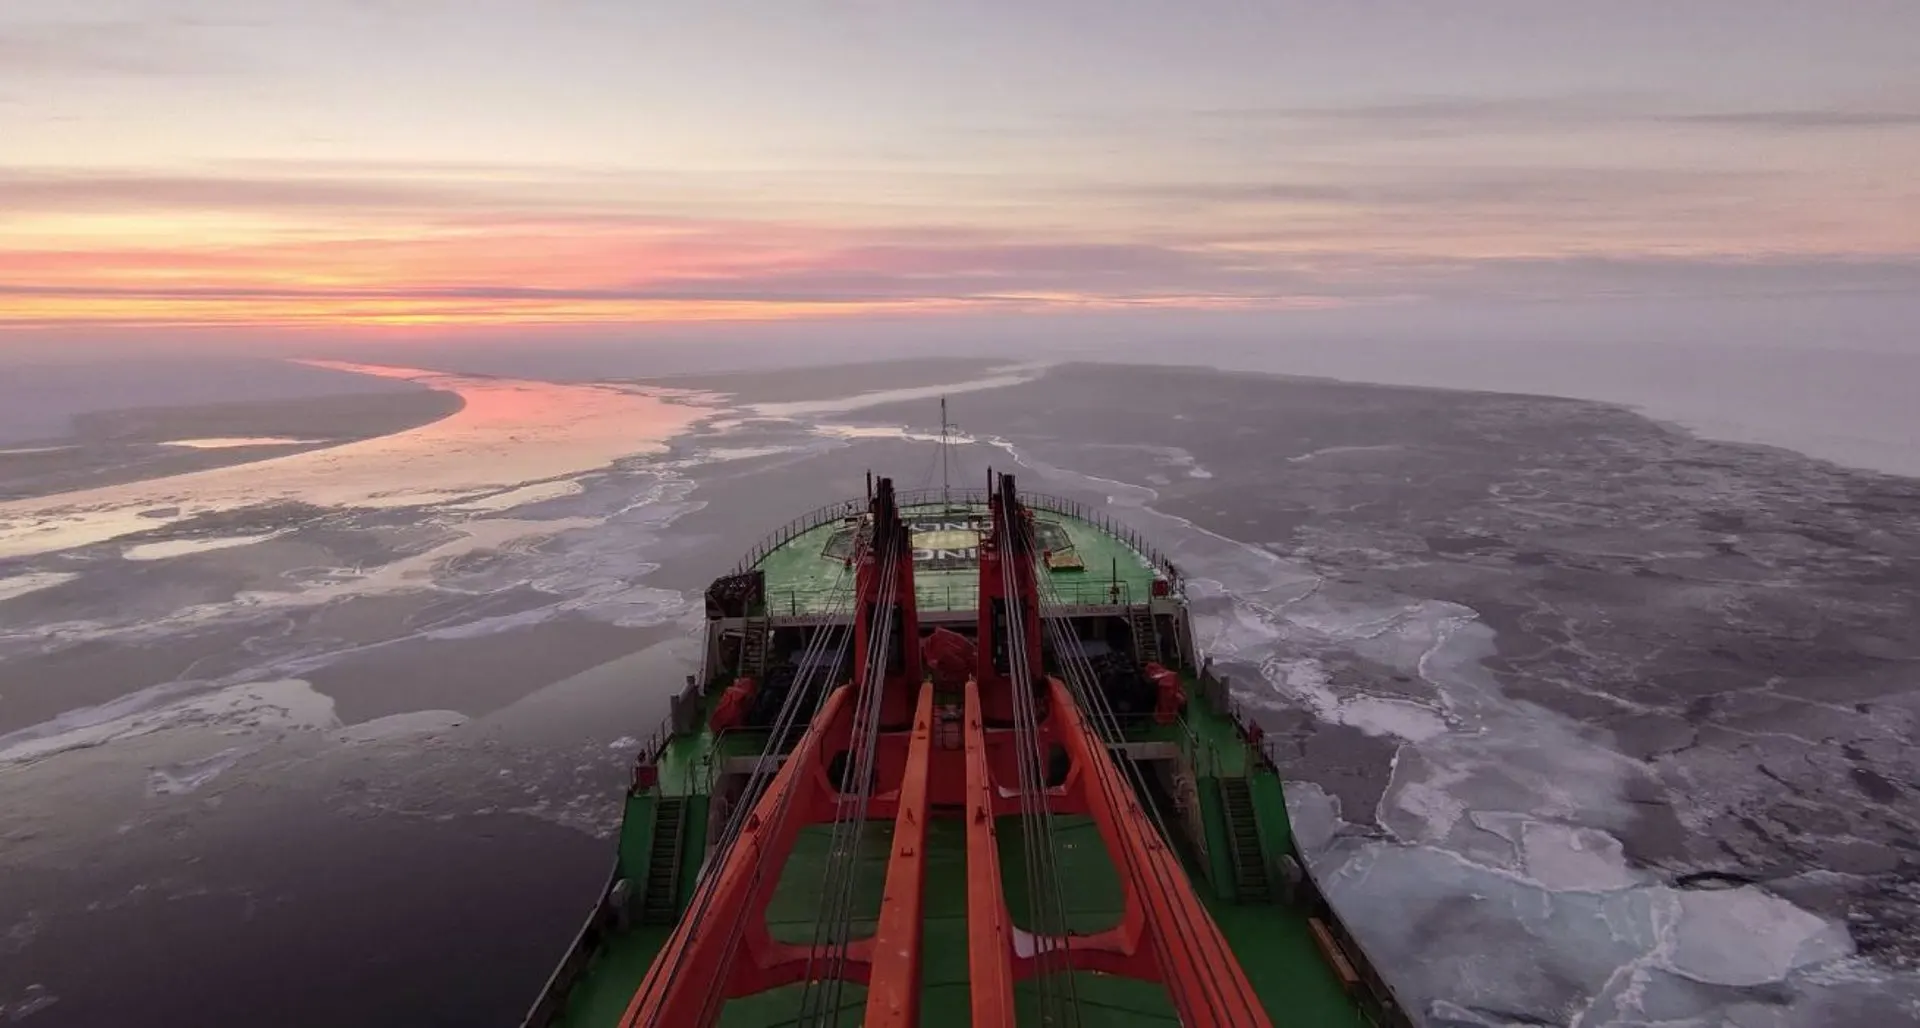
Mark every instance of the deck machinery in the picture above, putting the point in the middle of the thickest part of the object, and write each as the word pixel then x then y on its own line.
pixel 955 760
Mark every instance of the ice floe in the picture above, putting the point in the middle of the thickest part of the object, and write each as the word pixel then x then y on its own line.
pixel 1570 859
pixel 537 492
pixel 1328 451
pixel 235 442
pixel 590 563
pixel 32 1000
pixel 284 705
pixel 182 547
pixel 395 726
pixel 189 775
pixel 901 432
pixel 33 581
pixel 1744 936
pixel 722 454
pixel 1010 375
pixel 1500 890
pixel 418 571
pixel 1303 682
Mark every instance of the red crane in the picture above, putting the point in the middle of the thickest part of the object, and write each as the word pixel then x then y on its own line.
pixel 727 951
pixel 1165 933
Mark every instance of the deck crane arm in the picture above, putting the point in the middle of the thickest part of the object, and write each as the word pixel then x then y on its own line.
pixel 1165 933
pixel 723 949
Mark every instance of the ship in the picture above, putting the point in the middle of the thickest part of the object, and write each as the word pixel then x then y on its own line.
pixel 954 757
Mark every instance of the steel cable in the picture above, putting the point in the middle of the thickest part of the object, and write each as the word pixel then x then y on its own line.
pixel 821 995
pixel 706 882
pixel 1079 672
pixel 716 995
pixel 1038 830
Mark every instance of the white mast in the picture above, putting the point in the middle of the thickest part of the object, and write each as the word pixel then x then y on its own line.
pixel 946 500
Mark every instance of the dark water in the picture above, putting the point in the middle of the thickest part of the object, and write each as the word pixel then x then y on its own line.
pixel 42 394
pixel 1540 664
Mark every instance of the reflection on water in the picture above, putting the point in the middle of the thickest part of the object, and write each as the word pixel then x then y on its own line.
pixel 510 431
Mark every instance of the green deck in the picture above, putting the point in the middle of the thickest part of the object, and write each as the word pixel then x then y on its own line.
pixel 1273 942
pixel 802 576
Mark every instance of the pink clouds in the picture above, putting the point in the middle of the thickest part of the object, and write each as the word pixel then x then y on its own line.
pixel 502 246
pixel 365 252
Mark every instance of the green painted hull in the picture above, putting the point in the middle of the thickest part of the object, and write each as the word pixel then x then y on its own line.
pixel 1232 832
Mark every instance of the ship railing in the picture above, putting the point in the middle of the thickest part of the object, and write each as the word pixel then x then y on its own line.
pixel 934 596
pixel 1199 752
pixel 711 771
pixel 722 750
pixel 1202 757
pixel 798 526
pixel 1216 692
pixel 681 714
pixel 1266 749
pixel 1205 755
pixel 647 759
pixel 656 744
pixel 971 497
pixel 1132 724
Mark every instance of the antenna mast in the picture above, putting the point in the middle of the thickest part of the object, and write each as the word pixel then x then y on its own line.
pixel 946 499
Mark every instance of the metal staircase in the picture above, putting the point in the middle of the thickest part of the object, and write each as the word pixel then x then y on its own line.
pixel 660 904
pixel 1146 637
pixel 753 648
pixel 1251 882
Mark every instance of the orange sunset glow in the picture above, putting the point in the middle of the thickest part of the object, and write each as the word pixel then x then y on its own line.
pixel 360 166
pixel 923 513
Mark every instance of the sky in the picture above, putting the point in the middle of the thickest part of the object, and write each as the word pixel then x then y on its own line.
pixel 396 167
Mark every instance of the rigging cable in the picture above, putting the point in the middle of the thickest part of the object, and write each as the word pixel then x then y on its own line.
pixel 1038 830
pixel 821 996
pixel 716 994
pixel 864 770
pixel 1079 671
pixel 1064 645
pixel 706 882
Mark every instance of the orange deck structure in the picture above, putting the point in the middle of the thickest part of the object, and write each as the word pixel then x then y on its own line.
pixel 1165 934
pixel 893 987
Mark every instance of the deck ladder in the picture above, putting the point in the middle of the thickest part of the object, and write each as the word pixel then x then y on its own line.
pixel 661 902
pixel 753 648
pixel 1251 882
pixel 1146 637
